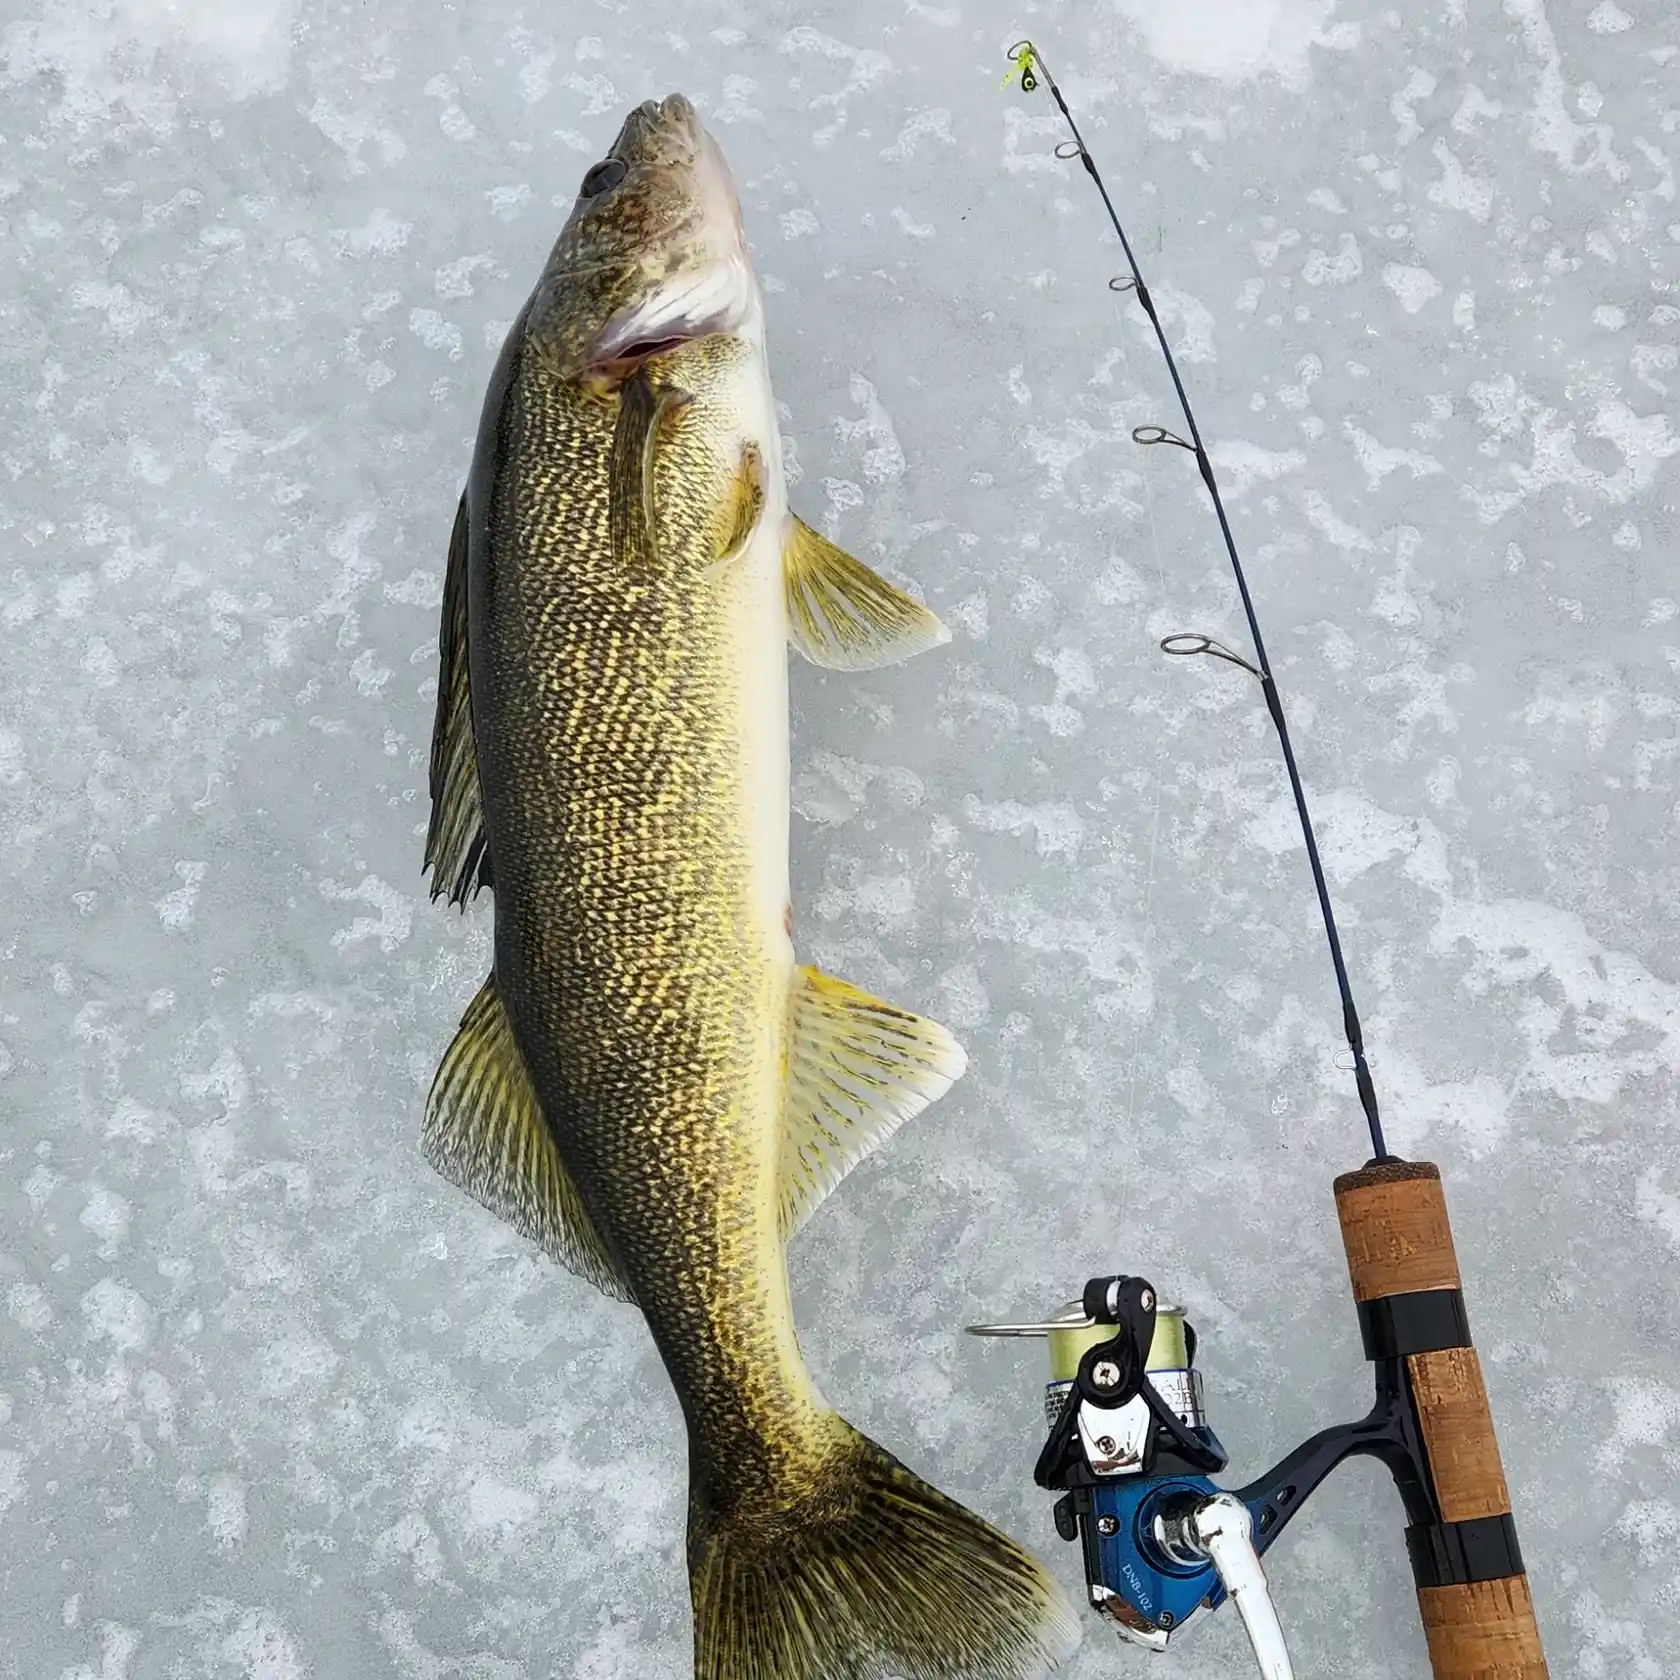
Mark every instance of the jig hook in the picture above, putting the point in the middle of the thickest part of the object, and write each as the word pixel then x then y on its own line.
pixel 1022 55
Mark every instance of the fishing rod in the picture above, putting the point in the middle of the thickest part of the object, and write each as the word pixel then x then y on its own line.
pixel 1130 1449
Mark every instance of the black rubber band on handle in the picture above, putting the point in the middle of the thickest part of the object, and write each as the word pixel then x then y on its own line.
pixel 1449 1554
pixel 1424 1321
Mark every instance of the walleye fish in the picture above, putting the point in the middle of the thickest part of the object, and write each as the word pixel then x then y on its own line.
pixel 649 1084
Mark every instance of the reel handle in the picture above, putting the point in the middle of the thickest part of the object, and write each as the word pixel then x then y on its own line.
pixel 1472 1590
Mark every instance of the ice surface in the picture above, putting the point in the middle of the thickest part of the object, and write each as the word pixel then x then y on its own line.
pixel 276 1401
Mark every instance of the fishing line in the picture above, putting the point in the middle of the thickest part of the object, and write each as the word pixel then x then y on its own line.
pixel 1029 67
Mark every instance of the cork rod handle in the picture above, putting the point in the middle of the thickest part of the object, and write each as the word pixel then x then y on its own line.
pixel 1399 1244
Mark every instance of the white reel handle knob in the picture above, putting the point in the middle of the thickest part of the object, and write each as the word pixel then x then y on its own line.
pixel 1222 1528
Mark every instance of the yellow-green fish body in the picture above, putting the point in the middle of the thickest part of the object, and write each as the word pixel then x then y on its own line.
pixel 649 1084
pixel 633 761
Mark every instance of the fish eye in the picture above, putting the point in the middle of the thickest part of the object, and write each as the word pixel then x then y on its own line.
pixel 603 177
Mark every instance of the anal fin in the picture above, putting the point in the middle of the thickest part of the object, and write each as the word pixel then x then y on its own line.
pixel 857 1070
pixel 456 853
pixel 845 616
pixel 485 1132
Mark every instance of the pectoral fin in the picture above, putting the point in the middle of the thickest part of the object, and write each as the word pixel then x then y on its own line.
pixel 857 1070
pixel 743 508
pixel 485 1132
pixel 642 409
pixel 842 614
pixel 456 853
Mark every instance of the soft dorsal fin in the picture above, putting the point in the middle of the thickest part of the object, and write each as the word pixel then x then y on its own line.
pixel 456 853
pixel 845 616
pixel 857 1070
pixel 486 1134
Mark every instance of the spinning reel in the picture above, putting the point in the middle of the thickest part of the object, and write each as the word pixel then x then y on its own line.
pixel 1132 1454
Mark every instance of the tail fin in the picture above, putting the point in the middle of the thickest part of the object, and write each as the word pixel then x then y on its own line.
pixel 874 1573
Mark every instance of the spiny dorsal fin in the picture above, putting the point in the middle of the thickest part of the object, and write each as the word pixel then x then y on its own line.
pixel 455 848
pixel 486 1134
pixel 845 616
pixel 857 1070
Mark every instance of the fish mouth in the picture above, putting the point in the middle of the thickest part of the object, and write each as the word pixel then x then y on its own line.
pixel 693 277
pixel 668 128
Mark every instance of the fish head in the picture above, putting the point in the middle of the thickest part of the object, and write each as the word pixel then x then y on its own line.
pixel 652 255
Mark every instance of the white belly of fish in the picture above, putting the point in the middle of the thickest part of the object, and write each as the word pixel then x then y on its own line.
pixel 761 640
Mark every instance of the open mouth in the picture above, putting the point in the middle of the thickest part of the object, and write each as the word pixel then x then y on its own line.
pixel 619 362
pixel 641 349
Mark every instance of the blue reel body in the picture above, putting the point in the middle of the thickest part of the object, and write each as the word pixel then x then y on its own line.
pixel 1131 1565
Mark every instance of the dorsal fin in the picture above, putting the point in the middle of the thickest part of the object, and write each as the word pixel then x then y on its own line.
pixel 456 853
